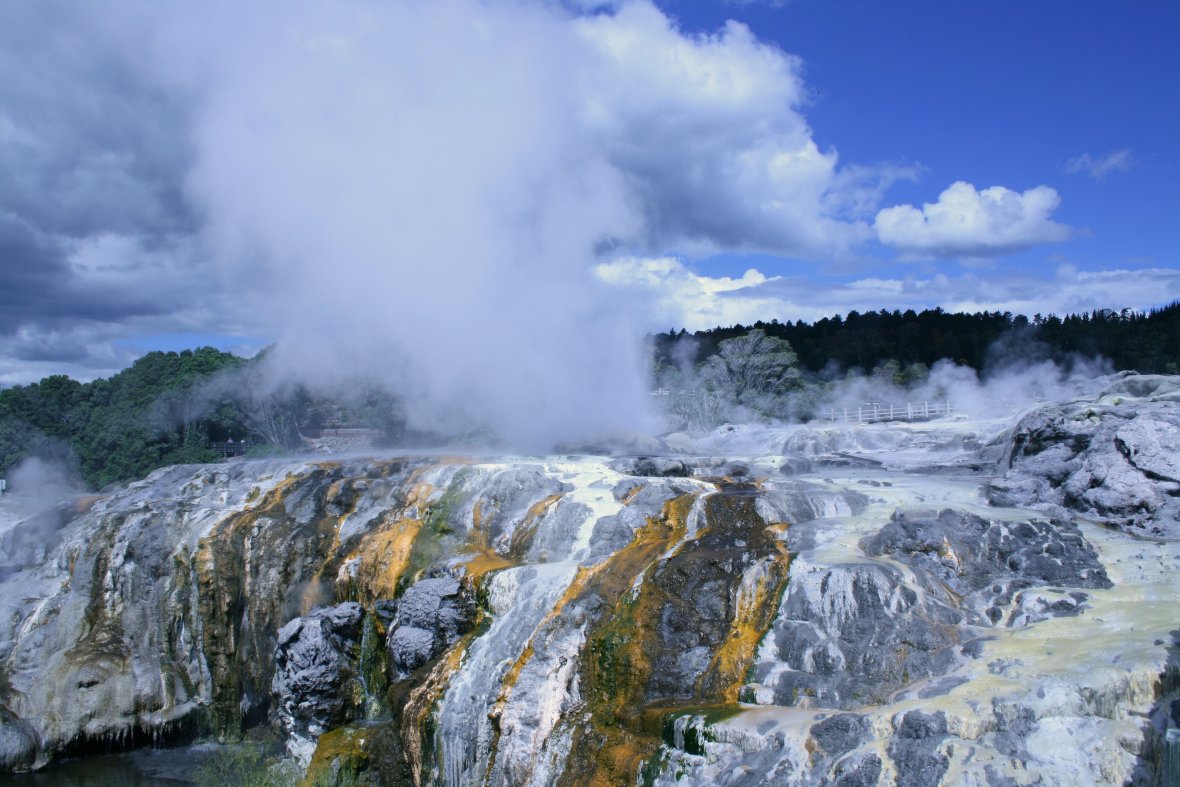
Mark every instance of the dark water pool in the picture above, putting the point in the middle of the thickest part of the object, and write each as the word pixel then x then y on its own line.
pixel 139 768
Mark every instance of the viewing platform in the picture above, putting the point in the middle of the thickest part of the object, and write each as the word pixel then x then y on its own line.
pixel 876 412
pixel 230 448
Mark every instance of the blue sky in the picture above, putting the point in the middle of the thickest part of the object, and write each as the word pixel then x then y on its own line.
pixel 406 176
pixel 997 93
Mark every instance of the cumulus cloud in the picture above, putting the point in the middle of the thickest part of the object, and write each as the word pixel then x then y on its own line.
pixel 965 222
pixel 1099 167
pixel 97 237
pixel 709 133
pixel 677 296
pixel 670 294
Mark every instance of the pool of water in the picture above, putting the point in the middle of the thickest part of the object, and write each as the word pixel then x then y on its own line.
pixel 139 768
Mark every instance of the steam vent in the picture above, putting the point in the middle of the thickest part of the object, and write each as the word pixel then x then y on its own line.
pixel 946 602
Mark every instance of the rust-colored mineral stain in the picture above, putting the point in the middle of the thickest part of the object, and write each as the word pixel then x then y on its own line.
pixel 83 504
pixel 753 616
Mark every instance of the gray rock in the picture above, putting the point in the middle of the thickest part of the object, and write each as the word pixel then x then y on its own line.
pixel 855 634
pixel 1111 459
pixel 857 772
pixel 841 733
pixel 18 743
pixel 970 553
pixel 659 467
pixel 431 616
pixel 627 487
pixel 915 749
pixel 610 534
pixel 411 648
pixel 315 658
pixel 1151 447
pixel 794 464
pixel 558 531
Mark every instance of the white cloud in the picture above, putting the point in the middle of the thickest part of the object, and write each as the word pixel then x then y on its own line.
pixel 670 294
pixel 709 132
pixel 969 223
pixel 675 296
pixel 1098 167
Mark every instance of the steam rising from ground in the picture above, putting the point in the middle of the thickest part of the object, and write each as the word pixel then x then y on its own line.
pixel 408 189
pixel 999 393
pixel 756 378
pixel 420 191
pixel 38 484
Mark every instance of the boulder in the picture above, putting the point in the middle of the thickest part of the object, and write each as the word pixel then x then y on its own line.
pixel 431 616
pixel 316 665
pixel 1113 460
pixel 18 743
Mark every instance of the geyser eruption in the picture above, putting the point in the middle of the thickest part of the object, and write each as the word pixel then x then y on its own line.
pixel 412 192
pixel 419 193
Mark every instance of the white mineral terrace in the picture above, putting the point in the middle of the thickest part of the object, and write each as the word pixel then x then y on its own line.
pixel 1062 697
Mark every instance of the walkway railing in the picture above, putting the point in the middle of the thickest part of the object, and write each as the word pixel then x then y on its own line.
pixel 230 448
pixel 875 412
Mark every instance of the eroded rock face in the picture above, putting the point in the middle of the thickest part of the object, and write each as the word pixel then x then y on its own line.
pixel 851 635
pixel 431 616
pixel 989 564
pixel 318 679
pixel 1112 459
pixel 563 620
pixel 915 749
pixel 854 634
pixel 969 552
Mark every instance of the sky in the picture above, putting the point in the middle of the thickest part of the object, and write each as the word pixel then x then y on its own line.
pixel 429 188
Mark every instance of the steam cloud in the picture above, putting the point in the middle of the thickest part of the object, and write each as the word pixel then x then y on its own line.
pixel 1009 387
pixel 414 192
pixel 420 191
pixel 37 484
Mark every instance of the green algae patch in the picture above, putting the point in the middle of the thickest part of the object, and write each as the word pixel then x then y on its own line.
pixel 341 758
pixel 688 727
pixel 437 516
pixel 617 658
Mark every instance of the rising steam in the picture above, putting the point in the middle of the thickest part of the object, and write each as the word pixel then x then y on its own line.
pixel 418 192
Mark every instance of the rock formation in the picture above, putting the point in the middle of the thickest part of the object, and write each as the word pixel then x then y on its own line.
pixel 835 614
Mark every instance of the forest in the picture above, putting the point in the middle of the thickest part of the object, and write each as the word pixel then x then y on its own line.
pixel 1147 342
pixel 170 408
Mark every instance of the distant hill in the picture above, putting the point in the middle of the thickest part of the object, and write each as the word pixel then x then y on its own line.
pixel 119 428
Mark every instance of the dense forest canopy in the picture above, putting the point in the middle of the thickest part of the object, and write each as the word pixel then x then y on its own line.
pixel 170 408
pixel 1145 342
pixel 167 408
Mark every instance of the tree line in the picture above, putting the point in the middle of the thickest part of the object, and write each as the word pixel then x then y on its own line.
pixel 1147 342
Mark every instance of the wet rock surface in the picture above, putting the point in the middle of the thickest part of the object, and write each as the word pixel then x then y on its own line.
pixel 1113 458
pixel 431 616
pixel 18 743
pixel 316 660
pixel 990 563
pixel 915 749
pixel 852 635
pixel 589 620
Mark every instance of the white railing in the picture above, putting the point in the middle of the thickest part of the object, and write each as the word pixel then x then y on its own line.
pixel 875 412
